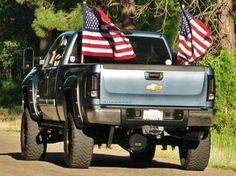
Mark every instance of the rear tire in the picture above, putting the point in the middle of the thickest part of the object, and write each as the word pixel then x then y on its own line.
pixel 33 146
pixel 143 156
pixel 195 155
pixel 78 145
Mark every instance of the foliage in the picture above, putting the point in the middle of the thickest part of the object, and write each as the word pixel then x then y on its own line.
pixel 10 91
pixel 15 20
pixel 10 72
pixel 225 75
pixel 10 58
pixel 55 15
pixel 48 19
pixel 160 16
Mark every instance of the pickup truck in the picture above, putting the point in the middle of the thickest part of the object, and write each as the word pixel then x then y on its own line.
pixel 137 104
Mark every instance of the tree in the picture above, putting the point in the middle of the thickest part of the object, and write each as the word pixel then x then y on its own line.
pixel 15 20
pixel 10 54
pixel 53 15
pixel 128 15
pixel 160 16
pixel 226 24
pixel 218 14
pixel 153 15
pixel 15 32
pixel 49 19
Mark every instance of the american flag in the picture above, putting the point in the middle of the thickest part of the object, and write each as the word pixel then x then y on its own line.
pixel 194 39
pixel 100 37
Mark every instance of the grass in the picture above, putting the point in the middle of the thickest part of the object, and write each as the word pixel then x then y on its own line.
pixel 10 119
pixel 13 126
pixel 223 152
pixel 223 148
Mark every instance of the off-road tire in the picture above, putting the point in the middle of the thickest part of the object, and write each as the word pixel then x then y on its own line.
pixel 33 146
pixel 78 145
pixel 143 156
pixel 195 155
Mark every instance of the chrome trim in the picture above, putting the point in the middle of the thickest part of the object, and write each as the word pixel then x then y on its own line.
pixel 34 98
pixel 78 103
pixel 104 116
pixel 201 118
pixel 113 116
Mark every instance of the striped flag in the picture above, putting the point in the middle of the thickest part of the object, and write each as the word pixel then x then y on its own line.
pixel 100 37
pixel 194 39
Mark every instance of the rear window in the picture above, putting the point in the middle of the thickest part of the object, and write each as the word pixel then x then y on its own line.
pixel 147 50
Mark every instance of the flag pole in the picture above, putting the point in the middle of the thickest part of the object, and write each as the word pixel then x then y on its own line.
pixel 82 56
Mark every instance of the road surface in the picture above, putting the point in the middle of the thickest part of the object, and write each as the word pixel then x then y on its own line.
pixel 105 163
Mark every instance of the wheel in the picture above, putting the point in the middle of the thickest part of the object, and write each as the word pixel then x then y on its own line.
pixel 33 146
pixel 195 155
pixel 78 145
pixel 143 156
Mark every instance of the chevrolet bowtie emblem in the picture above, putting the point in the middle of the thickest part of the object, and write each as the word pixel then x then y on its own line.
pixel 154 87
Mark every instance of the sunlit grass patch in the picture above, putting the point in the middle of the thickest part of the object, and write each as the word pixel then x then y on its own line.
pixel 13 126
pixel 223 151
pixel 9 114
pixel 10 119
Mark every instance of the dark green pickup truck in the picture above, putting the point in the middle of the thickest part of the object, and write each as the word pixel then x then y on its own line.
pixel 137 104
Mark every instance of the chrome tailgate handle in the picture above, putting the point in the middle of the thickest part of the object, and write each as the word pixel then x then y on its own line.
pixel 153 75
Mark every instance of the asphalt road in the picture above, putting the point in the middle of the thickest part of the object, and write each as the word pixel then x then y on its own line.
pixel 105 163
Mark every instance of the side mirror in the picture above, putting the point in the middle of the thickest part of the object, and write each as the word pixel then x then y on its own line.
pixel 28 58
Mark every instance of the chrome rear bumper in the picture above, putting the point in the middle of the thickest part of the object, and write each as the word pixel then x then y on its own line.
pixel 201 118
pixel 117 116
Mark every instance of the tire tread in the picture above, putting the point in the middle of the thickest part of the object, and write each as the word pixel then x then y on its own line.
pixel 196 158
pixel 32 150
pixel 81 147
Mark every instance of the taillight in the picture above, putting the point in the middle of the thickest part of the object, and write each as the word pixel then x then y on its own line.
pixel 211 88
pixel 94 86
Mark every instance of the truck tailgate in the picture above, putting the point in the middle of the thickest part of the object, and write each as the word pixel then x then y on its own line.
pixel 153 85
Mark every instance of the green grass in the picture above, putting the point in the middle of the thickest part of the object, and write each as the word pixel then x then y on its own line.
pixel 10 119
pixel 223 147
pixel 223 152
pixel 10 114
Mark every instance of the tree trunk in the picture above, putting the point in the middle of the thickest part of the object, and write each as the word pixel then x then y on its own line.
pixel 128 13
pixel 226 24
pixel 45 43
pixel 8 74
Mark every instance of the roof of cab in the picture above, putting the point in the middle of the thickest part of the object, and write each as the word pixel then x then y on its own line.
pixel 127 32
